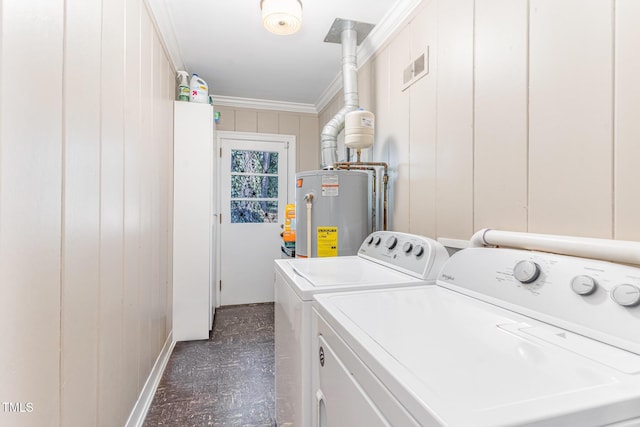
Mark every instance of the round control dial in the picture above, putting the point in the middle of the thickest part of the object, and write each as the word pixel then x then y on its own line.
pixel 418 250
pixel 407 247
pixel 626 295
pixel 583 285
pixel 377 240
pixel 369 240
pixel 391 242
pixel 526 271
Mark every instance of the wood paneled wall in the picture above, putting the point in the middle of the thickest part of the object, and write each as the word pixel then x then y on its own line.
pixel 85 208
pixel 303 125
pixel 31 129
pixel 526 120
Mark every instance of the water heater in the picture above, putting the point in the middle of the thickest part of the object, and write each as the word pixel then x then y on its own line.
pixel 338 212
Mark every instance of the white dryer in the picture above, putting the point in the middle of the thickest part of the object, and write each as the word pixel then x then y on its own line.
pixel 385 259
pixel 507 337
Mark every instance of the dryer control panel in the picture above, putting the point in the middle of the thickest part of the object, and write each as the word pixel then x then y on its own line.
pixel 594 298
pixel 416 255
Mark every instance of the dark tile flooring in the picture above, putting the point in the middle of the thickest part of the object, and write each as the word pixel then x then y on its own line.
pixel 227 380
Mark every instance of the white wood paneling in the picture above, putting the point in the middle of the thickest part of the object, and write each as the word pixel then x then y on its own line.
pixel 627 125
pixel 268 122
pixel 30 207
pixel 155 197
pixel 166 91
pixel 110 351
pixel 132 159
pixel 227 118
pixel 570 154
pixel 501 114
pixel 289 124
pixel 455 119
pixel 381 105
pixel 81 239
pixel 422 128
pixel 398 139
pixel 365 82
pixel 308 149
pixel 147 355
pixel 158 288
pixel 246 121
pixel 80 247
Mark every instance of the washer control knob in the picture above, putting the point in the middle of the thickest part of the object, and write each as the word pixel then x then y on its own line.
pixel 377 240
pixel 583 285
pixel 370 240
pixel 418 250
pixel 391 242
pixel 626 295
pixel 526 271
pixel 407 247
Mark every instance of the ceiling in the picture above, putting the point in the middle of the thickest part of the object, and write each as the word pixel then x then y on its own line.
pixel 225 43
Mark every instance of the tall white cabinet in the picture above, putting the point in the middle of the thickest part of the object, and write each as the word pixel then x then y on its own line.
pixel 193 228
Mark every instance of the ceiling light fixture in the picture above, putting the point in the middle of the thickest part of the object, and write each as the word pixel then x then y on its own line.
pixel 281 17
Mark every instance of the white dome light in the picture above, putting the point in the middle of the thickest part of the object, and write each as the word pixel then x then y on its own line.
pixel 281 17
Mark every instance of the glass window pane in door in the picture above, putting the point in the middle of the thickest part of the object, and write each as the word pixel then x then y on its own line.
pixel 248 161
pixel 254 186
pixel 249 211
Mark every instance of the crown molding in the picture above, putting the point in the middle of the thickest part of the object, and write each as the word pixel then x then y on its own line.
pixel 381 33
pixel 388 26
pixel 166 31
pixel 264 104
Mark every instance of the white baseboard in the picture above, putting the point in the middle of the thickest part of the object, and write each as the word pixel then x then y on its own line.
pixel 140 409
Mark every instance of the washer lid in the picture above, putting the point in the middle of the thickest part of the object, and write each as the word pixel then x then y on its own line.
pixel 314 275
pixel 450 357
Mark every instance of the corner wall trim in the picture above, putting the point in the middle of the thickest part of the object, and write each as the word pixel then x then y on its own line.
pixel 165 29
pixel 140 409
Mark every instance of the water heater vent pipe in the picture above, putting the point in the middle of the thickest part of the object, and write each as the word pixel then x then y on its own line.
pixel 350 37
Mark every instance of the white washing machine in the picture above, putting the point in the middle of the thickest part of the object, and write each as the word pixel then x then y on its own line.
pixel 385 259
pixel 507 337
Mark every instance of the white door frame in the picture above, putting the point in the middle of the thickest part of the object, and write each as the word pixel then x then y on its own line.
pixel 291 185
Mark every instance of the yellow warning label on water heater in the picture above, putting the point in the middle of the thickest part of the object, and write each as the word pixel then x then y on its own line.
pixel 327 241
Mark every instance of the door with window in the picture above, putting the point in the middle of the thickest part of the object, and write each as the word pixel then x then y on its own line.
pixel 254 182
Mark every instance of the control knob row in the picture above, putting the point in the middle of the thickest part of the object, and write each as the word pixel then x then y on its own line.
pixel 417 250
pixel 625 294
pixel 392 242
pixel 373 239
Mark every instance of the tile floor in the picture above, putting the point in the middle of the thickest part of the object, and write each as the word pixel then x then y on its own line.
pixel 227 380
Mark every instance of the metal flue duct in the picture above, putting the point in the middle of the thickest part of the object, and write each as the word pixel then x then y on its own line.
pixel 350 34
